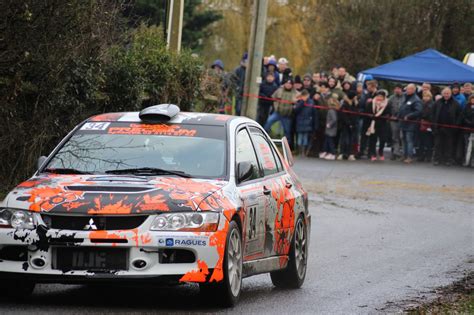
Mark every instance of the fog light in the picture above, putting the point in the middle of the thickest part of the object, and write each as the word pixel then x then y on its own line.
pixel 139 264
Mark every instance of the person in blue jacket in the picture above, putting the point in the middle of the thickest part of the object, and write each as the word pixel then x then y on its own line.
pixel 306 122
pixel 457 95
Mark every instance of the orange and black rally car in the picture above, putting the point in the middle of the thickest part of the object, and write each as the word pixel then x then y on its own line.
pixel 158 195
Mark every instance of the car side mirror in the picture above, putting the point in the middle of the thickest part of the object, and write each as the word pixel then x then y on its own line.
pixel 40 161
pixel 244 171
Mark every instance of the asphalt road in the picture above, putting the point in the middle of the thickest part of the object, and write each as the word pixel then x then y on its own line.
pixel 382 233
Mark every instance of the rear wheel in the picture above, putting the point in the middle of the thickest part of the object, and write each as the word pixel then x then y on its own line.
pixel 294 274
pixel 227 292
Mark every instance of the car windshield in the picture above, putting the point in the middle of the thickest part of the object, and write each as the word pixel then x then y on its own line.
pixel 144 149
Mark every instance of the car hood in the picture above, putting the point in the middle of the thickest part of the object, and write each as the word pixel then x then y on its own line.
pixel 115 195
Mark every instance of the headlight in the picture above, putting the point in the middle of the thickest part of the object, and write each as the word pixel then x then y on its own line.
pixel 184 221
pixel 17 219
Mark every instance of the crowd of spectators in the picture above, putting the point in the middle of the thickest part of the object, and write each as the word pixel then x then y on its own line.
pixel 333 116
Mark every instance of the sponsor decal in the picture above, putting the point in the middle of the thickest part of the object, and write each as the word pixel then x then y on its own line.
pixel 160 129
pixel 193 240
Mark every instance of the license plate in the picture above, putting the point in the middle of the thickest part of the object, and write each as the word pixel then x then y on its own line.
pixel 91 259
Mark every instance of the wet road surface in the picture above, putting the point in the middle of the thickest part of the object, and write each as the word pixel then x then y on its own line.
pixel 382 233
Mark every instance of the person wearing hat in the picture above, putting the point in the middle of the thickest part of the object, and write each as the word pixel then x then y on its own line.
pixel 306 122
pixel 457 95
pixel 394 103
pixel 298 83
pixel 238 79
pixel 308 84
pixel 273 69
pixel 267 88
pixel 285 71
pixel 214 88
pixel 283 109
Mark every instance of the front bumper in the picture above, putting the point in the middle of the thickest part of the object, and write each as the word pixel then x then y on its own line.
pixel 140 244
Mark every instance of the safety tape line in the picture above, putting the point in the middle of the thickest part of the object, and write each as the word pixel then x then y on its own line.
pixel 363 114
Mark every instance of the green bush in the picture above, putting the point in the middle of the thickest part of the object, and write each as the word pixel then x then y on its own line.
pixel 63 61
pixel 145 72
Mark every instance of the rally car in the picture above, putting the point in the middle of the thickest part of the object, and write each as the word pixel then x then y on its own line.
pixel 158 195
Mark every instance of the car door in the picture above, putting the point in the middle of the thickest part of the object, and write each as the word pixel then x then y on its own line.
pixel 279 210
pixel 252 196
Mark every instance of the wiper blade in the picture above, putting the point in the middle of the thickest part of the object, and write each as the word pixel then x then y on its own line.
pixel 65 171
pixel 148 171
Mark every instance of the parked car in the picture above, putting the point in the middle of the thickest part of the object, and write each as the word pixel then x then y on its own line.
pixel 158 195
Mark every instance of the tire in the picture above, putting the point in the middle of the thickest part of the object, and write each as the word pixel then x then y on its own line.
pixel 17 290
pixel 227 292
pixel 292 277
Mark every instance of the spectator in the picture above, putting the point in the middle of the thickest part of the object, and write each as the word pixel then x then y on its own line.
pixel 343 76
pixel 425 87
pixel 308 85
pixel 272 68
pixel 346 87
pixel 468 122
pixel 214 87
pixel 359 89
pixel 324 77
pixel 446 111
pixel 316 78
pixel 306 122
pixel 283 109
pixel 365 101
pixel 320 99
pixel 426 134
pixel 267 88
pixel 298 84
pixel 335 72
pixel 375 128
pixel 334 89
pixel 347 121
pixel 459 97
pixel 394 103
pixel 329 149
pixel 467 90
pixel 238 79
pixel 410 109
pixel 285 72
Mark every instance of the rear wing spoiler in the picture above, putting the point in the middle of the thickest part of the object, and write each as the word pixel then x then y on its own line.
pixel 285 151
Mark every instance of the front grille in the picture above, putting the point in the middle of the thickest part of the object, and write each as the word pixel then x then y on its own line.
pixel 94 222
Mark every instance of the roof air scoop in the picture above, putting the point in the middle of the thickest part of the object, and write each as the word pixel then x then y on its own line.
pixel 159 113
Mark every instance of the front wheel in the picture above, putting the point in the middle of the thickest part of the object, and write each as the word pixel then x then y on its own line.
pixel 293 275
pixel 227 292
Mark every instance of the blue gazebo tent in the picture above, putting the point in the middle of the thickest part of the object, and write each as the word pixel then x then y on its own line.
pixel 427 66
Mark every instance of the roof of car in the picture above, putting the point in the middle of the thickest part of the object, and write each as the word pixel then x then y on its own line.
pixel 182 117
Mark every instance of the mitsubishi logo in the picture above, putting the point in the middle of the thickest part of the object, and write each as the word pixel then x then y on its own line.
pixel 91 225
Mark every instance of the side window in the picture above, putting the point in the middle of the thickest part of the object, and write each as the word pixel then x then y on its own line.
pixel 277 159
pixel 264 152
pixel 244 152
